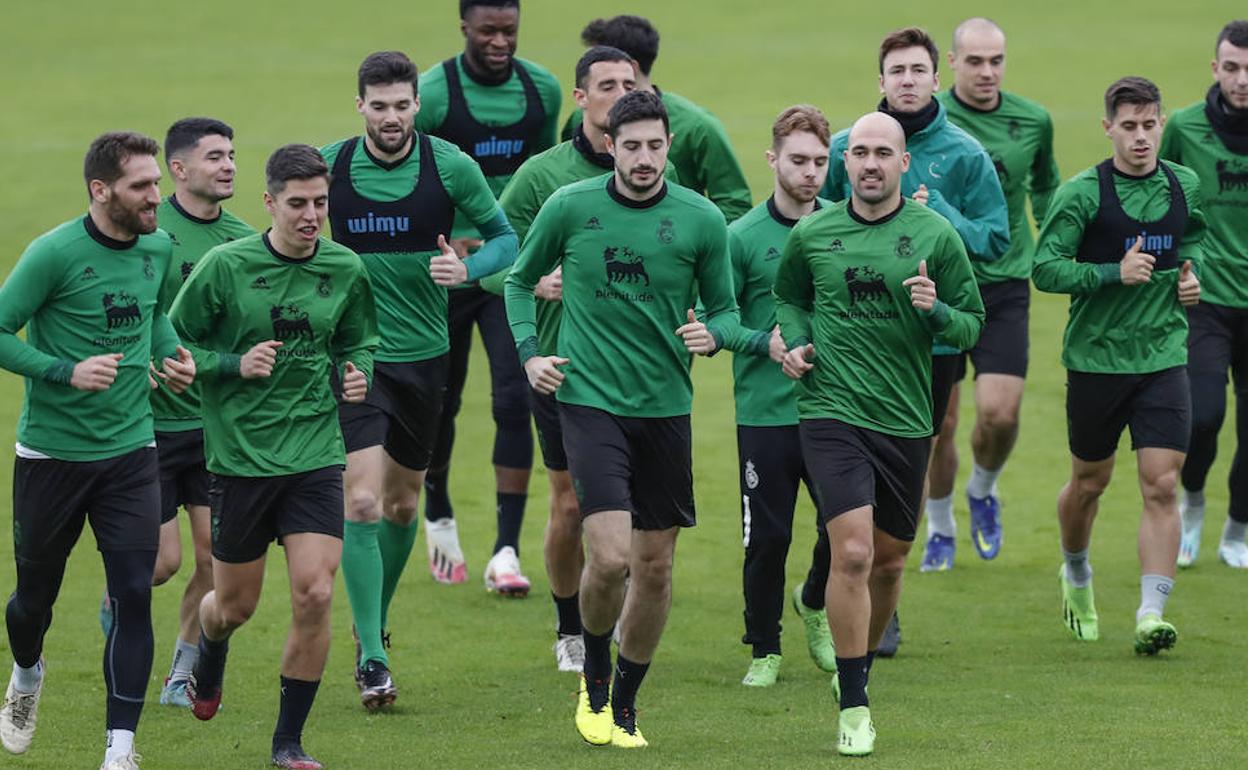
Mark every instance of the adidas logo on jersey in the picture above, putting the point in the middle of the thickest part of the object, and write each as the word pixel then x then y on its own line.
pixel 89 274
pixel 593 224
pixel 260 283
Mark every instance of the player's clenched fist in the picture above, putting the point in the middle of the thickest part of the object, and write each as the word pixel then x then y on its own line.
pixel 544 374
pixel 698 339
pixel 1136 266
pixel 448 268
pixel 178 373
pixel 922 288
pixel 258 362
pixel 798 361
pixel 354 384
pixel 1189 285
pixel 96 372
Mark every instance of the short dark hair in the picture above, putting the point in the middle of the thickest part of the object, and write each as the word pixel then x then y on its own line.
pixel 633 35
pixel 598 53
pixel 187 132
pixel 1131 90
pixel 110 151
pixel 909 37
pixel 1236 32
pixel 293 161
pixel 800 117
pixel 385 67
pixel 633 107
pixel 467 5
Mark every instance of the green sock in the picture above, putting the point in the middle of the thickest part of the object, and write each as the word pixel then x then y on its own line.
pixel 362 572
pixel 396 543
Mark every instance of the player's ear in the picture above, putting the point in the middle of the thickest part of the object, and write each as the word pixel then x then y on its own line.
pixel 610 140
pixel 580 97
pixel 905 162
pixel 177 168
pixel 270 205
pixel 771 158
pixel 1105 124
pixel 359 104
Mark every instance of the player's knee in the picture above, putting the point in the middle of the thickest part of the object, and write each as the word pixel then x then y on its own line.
pixel 610 564
pixel 853 557
pixel 362 506
pixel 888 568
pixel 999 416
pixel 167 565
pixel 311 601
pixel 1160 489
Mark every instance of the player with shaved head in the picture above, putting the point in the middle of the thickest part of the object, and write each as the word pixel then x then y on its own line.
pixel 859 317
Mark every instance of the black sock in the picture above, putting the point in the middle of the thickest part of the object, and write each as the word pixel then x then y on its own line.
pixel 628 676
pixel 569 610
pixel 510 517
pixel 852 673
pixel 597 668
pixel 438 495
pixel 209 667
pixel 296 702
pixel 870 660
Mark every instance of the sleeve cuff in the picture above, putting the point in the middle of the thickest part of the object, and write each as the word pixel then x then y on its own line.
pixel 1110 273
pixel 229 365
pixel 61 372
pixel 527 349
pixel 938 316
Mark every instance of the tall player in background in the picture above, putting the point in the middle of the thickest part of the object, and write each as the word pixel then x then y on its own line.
pixel 500 110
pixel 1211 138
pixel 1018 135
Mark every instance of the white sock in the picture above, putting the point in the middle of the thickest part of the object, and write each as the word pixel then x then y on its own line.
pixel 1234 531
pixel 1193 508
pixel 1154 590
pixel 940 516
pixel 120 744
pixel 184 657
pixel 27 679
pixel 983 482
pixel 1078 569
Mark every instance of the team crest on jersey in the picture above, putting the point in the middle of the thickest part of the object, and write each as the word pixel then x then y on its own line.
pixel 149 272
pixel 593 224
pixel 624 265
pixel 1232 176
pixel 290 322
pixel 751 475
pixel 904 247
pixel 865 284
pixel 667 231
pixel 1003 173
pixel 185 268
pixel 836 246
pixel 1014 129
pixel 121 310
pixel 323 286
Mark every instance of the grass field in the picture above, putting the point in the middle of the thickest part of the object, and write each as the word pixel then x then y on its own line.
pixel 985 678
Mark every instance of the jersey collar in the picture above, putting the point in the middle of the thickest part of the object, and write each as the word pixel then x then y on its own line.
pixel 173 201
pixel 650 202
pixel 99 237
pixel 890 216
pixel 781 218
pixel 289 260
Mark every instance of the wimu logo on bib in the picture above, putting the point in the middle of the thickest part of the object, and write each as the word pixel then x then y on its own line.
pixel 1153 242
pixel 384 225
pixel 498 148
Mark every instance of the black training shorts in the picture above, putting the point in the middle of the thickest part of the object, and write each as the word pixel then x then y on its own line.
pixel 400 412
pixel 639 464
pixel 249 513
pixel 549 431
pixel 1003 344
pixel 52 499
pixel 851 467
pixel 1156 406
pixel 183 475
pixel 944 377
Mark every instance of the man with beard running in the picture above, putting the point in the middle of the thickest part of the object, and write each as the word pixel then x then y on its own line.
pixel 393 197
pixel 91 295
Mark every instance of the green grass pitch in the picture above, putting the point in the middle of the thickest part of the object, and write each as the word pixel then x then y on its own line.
pixel 985 678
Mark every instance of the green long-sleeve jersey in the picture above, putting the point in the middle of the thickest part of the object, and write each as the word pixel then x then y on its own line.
pixel 320 308
pixel 1190 140
pixel 839 286
pixel 764 394
pixel 411 308
pixel 192 237
pixel 492 105
pixel 631 272
pixel 701 153
pixel 1018 137
pixel 1113 328
pixel 80 294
